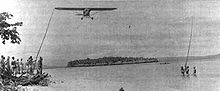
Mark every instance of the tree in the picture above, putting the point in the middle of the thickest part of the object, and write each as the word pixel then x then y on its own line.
pixel 9 31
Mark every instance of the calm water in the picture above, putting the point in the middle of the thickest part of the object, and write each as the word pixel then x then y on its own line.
pixel 138 77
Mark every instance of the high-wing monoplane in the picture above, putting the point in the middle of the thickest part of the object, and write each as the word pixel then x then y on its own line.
pixel 86 11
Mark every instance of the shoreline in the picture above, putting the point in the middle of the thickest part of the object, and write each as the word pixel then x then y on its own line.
pixel 107 61
pixel 128 63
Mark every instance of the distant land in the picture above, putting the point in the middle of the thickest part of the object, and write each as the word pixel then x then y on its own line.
pixel 165 59
pixel 193 58
pixel 107 61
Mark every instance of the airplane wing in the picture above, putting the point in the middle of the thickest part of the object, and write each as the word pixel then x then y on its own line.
pixel 63 8
pixel 102 9
pixel 93 9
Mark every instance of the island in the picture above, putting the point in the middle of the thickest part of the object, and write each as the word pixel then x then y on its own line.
pixel 106 61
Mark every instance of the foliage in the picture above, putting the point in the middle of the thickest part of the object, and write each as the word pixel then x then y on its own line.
pixel 110 61
pixel 9 31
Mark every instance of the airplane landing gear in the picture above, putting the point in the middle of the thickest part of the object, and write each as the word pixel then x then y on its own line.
pixel 87 17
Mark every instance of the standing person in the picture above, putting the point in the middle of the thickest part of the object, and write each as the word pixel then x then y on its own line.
pixel 40 65
pixel 18 66
pixel 187 70
pixel 13 65
pixel 22 66
pixel 182 71
pixel 30 65
pixel 7 64
pixel 2 62
pixel 194 71
pixel 26 67
pixel 34 66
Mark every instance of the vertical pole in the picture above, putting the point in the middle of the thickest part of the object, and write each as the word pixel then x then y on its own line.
pixel 187 57
pixel 44 35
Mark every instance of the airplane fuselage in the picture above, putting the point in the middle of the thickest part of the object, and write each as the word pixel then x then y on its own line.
pixel 86 13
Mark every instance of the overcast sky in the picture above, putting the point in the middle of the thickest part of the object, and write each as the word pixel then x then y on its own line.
pixel 158 28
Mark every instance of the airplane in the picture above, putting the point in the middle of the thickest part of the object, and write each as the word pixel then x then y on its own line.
pixel 86 11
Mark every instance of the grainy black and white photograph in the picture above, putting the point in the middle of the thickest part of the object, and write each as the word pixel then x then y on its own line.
pixel 110 45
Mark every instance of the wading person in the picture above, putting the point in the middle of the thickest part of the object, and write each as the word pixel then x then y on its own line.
pixel 187 70
pixel 194 71
pixel 182 71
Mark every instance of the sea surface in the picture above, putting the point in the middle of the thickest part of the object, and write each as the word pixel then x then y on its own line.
pixel 137 77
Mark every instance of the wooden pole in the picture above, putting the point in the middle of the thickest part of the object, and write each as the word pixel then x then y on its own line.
pixel 190 40
pixel 44 36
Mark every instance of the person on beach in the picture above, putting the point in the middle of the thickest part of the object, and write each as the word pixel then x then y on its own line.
pixel 18 67
pixel 30 65
pixel 34 66
pixel 39 68
pixel 13 65
pixel 22 66
pixel 182 71
pixel 7 64
pixel 2 62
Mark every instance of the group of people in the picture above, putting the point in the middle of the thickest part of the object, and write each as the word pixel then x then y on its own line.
pixel 18 66
pixel 185 71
